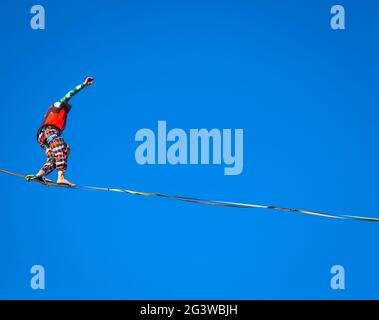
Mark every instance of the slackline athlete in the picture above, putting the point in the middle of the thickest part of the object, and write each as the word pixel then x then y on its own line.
pixel 49 137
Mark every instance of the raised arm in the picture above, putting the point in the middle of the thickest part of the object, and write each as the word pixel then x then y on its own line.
pixel 73 92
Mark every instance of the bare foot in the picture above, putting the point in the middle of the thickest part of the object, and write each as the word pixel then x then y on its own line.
pixel 64 181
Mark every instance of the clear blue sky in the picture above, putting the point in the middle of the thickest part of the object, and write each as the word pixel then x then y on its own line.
pixel 305 95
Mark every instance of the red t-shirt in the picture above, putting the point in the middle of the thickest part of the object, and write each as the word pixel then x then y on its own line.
pixel 56 116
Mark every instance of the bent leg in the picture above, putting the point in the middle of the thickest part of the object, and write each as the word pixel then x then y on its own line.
pixel 61 152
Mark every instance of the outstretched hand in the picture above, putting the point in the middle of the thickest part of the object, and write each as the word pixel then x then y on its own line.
pixel 89 81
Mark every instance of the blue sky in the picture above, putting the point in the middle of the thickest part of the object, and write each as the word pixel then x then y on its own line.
pixel 305 96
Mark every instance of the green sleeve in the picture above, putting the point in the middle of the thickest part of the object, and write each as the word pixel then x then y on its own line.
pixel 69 95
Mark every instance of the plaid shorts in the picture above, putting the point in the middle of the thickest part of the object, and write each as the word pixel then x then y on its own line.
pixel 56 150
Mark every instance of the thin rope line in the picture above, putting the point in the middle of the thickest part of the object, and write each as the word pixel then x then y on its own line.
pixel 204 202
